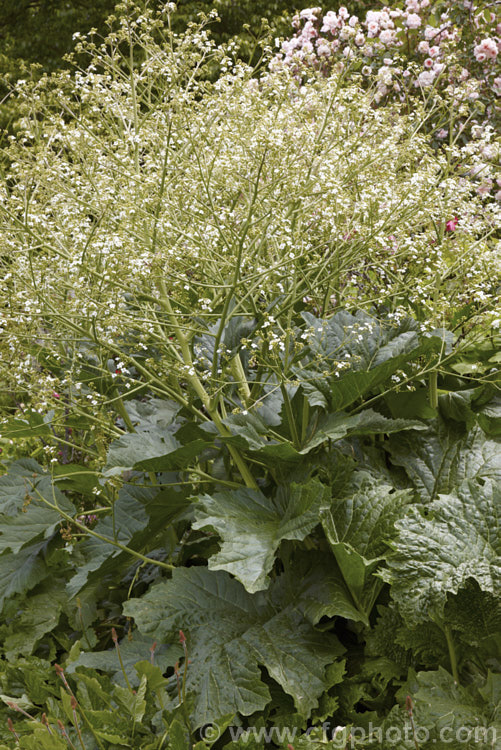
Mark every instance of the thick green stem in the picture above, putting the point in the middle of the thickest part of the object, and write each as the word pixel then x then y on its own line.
pixel 433 389
pixel 197 386
pixel 290 417
pixel 305 419
pixel 238 373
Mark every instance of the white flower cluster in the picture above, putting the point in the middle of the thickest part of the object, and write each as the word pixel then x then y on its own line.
pixel 139 197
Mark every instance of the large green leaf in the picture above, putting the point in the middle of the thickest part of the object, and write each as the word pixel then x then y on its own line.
pixel 31 425
pixel 38 615
pixel 358 527
pixel 22 485
pixel 475 617
pixel 37 521
pixel 231 633
pixel 442 457
pixel 155 450
pixel 369 422
pixel 446 715
pixel 138 515
pixel 132 651
pixel 366 352
pixel 460 539
pixel 25 524
pixel 440 702
pixel 155 412
pixel 489 418
pixel 22 571
pixel 251 526
pixel 320 590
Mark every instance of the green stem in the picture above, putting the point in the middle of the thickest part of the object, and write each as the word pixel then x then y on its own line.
pixel 119 405
pixel 90 532
pixel 122 666
pixel 238 373
pixel 290 417
pixel 433 389
pixel 305 419
pixel 197 386
pixel 452 653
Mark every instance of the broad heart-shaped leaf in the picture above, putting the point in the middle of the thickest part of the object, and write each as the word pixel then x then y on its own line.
pixel 372 349
pixel 22 571
pixel 150 450
pixel 436 555
pixel 441 702
pixel 442 457
pixel 368 422
pixel 251 526
pixel 358 527
pixel 139 514
pixel 131 652
pixel 230 634
pixel 31 425
pixel 23 515
pixel 38 615
pixel 320 590
pixel 18 486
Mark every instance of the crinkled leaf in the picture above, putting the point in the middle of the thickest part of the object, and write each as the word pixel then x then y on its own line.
pixel 359 526
pixel 437 554
pixel 22 571
pixel 138 513
pixel 24 518
pixel 372 349
pixel 24 481
pixel 251 526
pixel 154 450
pixel 441 702
pixel 368 422
pixel 442 457
pixel 132 651
pixel 39 615
pixel 230 634
pixel 475 617
pixel 155 412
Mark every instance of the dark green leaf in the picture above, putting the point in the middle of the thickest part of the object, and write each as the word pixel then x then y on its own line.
pixel 252 526
pixel 438 554
pixel 230 633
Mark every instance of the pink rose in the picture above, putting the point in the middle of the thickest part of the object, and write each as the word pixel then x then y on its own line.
pixel 387 36
pixel 486 50
pixel 330 22
pixel 413 21
pixel 426 78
